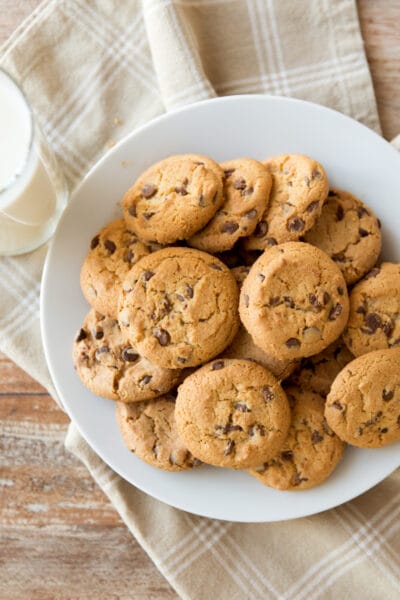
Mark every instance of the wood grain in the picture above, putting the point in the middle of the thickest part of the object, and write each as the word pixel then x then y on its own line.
pixel 61 538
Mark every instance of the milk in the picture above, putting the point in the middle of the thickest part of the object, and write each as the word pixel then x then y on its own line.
pixel 32 191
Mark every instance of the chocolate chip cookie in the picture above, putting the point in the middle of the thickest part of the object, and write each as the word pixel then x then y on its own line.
pixel 149 430
pixel 112 368
pixel 247 187
pixel 299 190
pixel 363 406
pixel 294 301
pixel 317 373
pixel 174 198
pixel 112 253
pixel 374 320
pixel 178 306
pixel 232 413
pixel 311 450
pixel 349 232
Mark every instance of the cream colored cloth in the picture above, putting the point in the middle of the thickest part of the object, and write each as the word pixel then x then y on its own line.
pixel 94 70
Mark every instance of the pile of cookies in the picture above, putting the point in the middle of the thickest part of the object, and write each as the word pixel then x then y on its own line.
pixel 238 319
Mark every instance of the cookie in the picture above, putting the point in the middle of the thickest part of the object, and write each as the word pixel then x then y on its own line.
pixel 244 347
pixel 112 368
pixel 247 187
pixel 294 301
pixel 299 190
pixel 311 450
pixel 179 307
pixel 317 373
pixel 174 198
pixel 363 406
pixel 349 233
pixel 149 430
pixel 232 413
pixel 374 319
pixel 112 253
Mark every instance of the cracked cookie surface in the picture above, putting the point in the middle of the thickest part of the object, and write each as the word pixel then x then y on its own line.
pixel 317 373
pixel 349 232
pixel 112 253
pixel 363 406
pixel 374 319
pixel 178 306
pixel 149 430
pixel 311 450
pixel 232 413
pixel 294 301
pixel 174 198
pixel 299 190
pixel 112 368
pixel 247 186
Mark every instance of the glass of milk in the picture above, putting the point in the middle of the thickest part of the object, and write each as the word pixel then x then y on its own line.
pixel 33 192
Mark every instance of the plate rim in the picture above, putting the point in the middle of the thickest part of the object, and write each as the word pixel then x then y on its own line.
pixel 46 267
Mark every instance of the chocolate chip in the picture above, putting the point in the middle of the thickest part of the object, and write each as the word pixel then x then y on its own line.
pixel 239 184
pixel 361 310
pixel 257 428
pixel 260 276
pixel 316 437
pixel 387 395
pixel 148 215
pixel 316 174
pixel 129 354
pixel 384 430
pixel 289 301
pixel 110 246
pixel 387 328
pixel 312 206
pixel 202 201
pixel 129 256
pixel 229 227
pixel 217 365
pixel 229 447
pixel 95 242
pixel 292 343
pixel 337 405
pixel 274 300
pixel 181 190
pixel 180 298
pixel 267 393
pixel 228 172
pixel 295 224
pixel 182 359
pixel 287 455
pixel 148 190
pixel 189 291
pixel 162 336
pixel 271 242
pixel 132 210
pixel 363 232
pixel 335 312
pixel 339 257
pixel 147 275
pixel 361 211
pixel 99 334
pixel 261 229
pixel 82 335
pixel 340 290
pixel 102 350
pixel 146 379
pixel 246 300
pixel 297 480
pixel 241 407
pixel 251 214
pixel 373 273
pixel 215 267
pixel 372 322
pixel 248 191
pixel 307 181
pixel 326 297
pixel 314 301
pixel 339 213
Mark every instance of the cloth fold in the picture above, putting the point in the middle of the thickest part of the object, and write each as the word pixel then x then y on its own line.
pixel 94 72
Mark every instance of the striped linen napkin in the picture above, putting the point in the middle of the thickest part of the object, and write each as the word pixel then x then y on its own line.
pixel 94 70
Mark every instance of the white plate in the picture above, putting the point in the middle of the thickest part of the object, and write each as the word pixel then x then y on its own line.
pixel 356 159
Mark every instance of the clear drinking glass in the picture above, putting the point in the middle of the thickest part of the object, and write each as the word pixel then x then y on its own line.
pixel 33 191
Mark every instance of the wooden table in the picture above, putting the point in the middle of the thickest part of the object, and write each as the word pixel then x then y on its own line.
pixel 61 538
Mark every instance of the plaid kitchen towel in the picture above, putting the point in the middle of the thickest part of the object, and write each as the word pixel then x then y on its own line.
pixel 96 69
